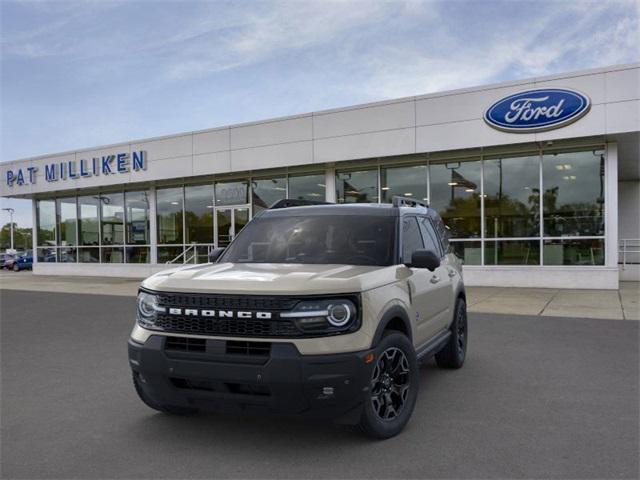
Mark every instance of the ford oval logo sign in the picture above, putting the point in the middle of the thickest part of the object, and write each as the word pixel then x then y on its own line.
pixel 537 110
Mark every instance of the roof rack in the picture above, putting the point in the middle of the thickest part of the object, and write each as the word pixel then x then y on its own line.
pixel 399 201
pixel 292 202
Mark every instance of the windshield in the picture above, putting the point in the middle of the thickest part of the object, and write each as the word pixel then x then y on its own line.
pixel 316 239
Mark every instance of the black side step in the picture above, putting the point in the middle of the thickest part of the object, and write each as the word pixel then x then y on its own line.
pixel 433 346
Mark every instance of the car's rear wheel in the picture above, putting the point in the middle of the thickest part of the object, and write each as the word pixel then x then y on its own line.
pixel 150 402
pixel 393 388
pixel 455 351
pixel 16 268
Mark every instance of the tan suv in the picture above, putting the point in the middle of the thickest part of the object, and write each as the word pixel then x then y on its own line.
pixel 314 309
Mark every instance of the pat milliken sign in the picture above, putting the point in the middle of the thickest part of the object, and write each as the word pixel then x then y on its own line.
pixel 117 163
pixel 537 110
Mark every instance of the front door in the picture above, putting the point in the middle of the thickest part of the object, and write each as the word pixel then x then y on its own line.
pixel 229 221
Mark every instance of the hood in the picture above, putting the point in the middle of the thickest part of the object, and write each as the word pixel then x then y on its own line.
pixel 271 278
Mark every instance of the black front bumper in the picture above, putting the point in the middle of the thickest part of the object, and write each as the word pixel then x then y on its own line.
pixel 281 381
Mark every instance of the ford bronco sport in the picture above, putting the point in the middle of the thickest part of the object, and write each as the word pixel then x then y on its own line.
pixel 314 309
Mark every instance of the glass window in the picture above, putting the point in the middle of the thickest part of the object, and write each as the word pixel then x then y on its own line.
pixel 198 213
pixel 512 197
pixel 169 206
pixel 89 255
pixel 411 238
pixel 317 239
pixel 573 198
pixel 167 254
pixel 47 254
pixel 67 254
pixel 266 192
pixel 67 213
pixel 88 221
pixel 232 193
pixel 429 236
pixel 112 255
pixel 455 195
pixel 46 222
pixel 404 181
pixel 512 252
pixel 137 254
pixel 112 217
pixel 137 218
pixel 307 187
pixel 470 252
pixel 573 252
pixel 357 187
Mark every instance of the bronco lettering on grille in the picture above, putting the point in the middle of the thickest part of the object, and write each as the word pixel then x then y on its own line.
pixel 192 312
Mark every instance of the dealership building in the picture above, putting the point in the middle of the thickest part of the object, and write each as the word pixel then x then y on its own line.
pixel 536 179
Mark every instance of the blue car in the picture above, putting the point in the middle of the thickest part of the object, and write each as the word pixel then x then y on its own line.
pixel 23 262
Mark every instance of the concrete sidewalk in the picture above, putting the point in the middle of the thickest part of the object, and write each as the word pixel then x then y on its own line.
pixel 623 304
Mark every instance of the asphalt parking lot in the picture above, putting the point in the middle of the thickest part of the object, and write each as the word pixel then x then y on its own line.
pixel 538 397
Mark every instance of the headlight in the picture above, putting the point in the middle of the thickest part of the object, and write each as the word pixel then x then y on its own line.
pixel 333 315
pixel 148 310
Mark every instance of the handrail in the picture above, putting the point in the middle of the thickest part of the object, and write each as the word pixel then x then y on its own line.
pixel 184 254
pixel 626 246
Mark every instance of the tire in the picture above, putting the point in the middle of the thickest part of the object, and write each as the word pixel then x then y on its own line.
pixel 454 352
pixel 149 402
pixel 16 268
pixel 391 395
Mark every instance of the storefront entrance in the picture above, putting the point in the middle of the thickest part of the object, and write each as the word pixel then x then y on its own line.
pixel 229 221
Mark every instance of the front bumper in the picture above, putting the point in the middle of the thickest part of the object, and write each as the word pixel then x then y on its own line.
pixel 281 381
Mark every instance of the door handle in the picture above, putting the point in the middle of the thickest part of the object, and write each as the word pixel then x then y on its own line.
pixel 452 273
pixel 435 279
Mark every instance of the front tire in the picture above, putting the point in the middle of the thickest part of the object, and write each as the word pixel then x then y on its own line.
pixel 151 403
pixel 455 351
pixel 393 388
pixel 16 268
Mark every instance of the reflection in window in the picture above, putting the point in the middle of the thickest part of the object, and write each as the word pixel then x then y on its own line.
pixel 67 213
pixel 137 218
pixel 46 217
pixel 47 254
pixel 198 213
pixel 112 255
pixel 232 193
pixel 169 206
pixel 469 252
pixel 266 192
pixel 357 187
pixel 512 252
pixel 573 252
pixel 573 198
pixel 67 255
pixel 88 221
pixel 89 255
pixel 307 187
pixel 455 195
pixel 411 238
pixel 137 254
pixel 166 254
pixel 408 182
pixel 112 217
pixel 512 197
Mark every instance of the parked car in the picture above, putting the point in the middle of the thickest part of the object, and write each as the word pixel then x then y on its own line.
pixel 7 261
pixel 23 262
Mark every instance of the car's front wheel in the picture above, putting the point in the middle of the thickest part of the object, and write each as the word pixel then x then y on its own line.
pixel 16 268
pixel 393 388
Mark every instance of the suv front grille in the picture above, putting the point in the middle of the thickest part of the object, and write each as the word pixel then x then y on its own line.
pixel 227 302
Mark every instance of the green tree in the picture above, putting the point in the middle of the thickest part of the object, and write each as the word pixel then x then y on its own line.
pixel 21 237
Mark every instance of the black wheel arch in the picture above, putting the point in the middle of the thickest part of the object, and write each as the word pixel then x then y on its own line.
pixel 395 318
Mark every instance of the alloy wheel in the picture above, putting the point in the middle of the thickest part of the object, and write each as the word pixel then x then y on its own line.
pixel 390 384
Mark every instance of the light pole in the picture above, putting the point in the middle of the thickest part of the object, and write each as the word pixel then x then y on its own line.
pixel 11 212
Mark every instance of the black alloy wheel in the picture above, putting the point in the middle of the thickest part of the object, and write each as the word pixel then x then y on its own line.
pixel 390 384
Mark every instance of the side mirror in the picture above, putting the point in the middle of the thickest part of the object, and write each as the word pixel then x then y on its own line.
pixel 215 254
pixel 424 259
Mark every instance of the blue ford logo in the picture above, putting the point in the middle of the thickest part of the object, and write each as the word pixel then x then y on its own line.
pixel 537 110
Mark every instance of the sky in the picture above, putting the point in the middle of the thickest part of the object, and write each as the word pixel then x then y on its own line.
pixel 86 73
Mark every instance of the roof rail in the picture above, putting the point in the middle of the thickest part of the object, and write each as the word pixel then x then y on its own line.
pixel 292 202
pixel 399 201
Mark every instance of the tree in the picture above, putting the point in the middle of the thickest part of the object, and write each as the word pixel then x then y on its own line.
pixel 21 237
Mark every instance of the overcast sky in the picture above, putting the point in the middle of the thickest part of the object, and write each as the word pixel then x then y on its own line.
pixel 81 74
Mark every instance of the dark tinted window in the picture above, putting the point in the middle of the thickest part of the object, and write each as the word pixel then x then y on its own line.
pixel 318 239
pixel 430 238
pixel 411 238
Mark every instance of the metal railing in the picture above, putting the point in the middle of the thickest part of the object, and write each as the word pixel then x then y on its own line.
pixel 628 249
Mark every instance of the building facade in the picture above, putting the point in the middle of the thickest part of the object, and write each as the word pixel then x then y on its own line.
pixel 537 180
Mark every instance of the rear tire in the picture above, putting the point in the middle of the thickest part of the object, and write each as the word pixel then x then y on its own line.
pixel 16 268
pixel 149 402
pixel 393 388
pixel 454 352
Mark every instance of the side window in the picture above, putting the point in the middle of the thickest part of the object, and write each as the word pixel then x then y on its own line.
pixel 430 237
pixel 411 238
